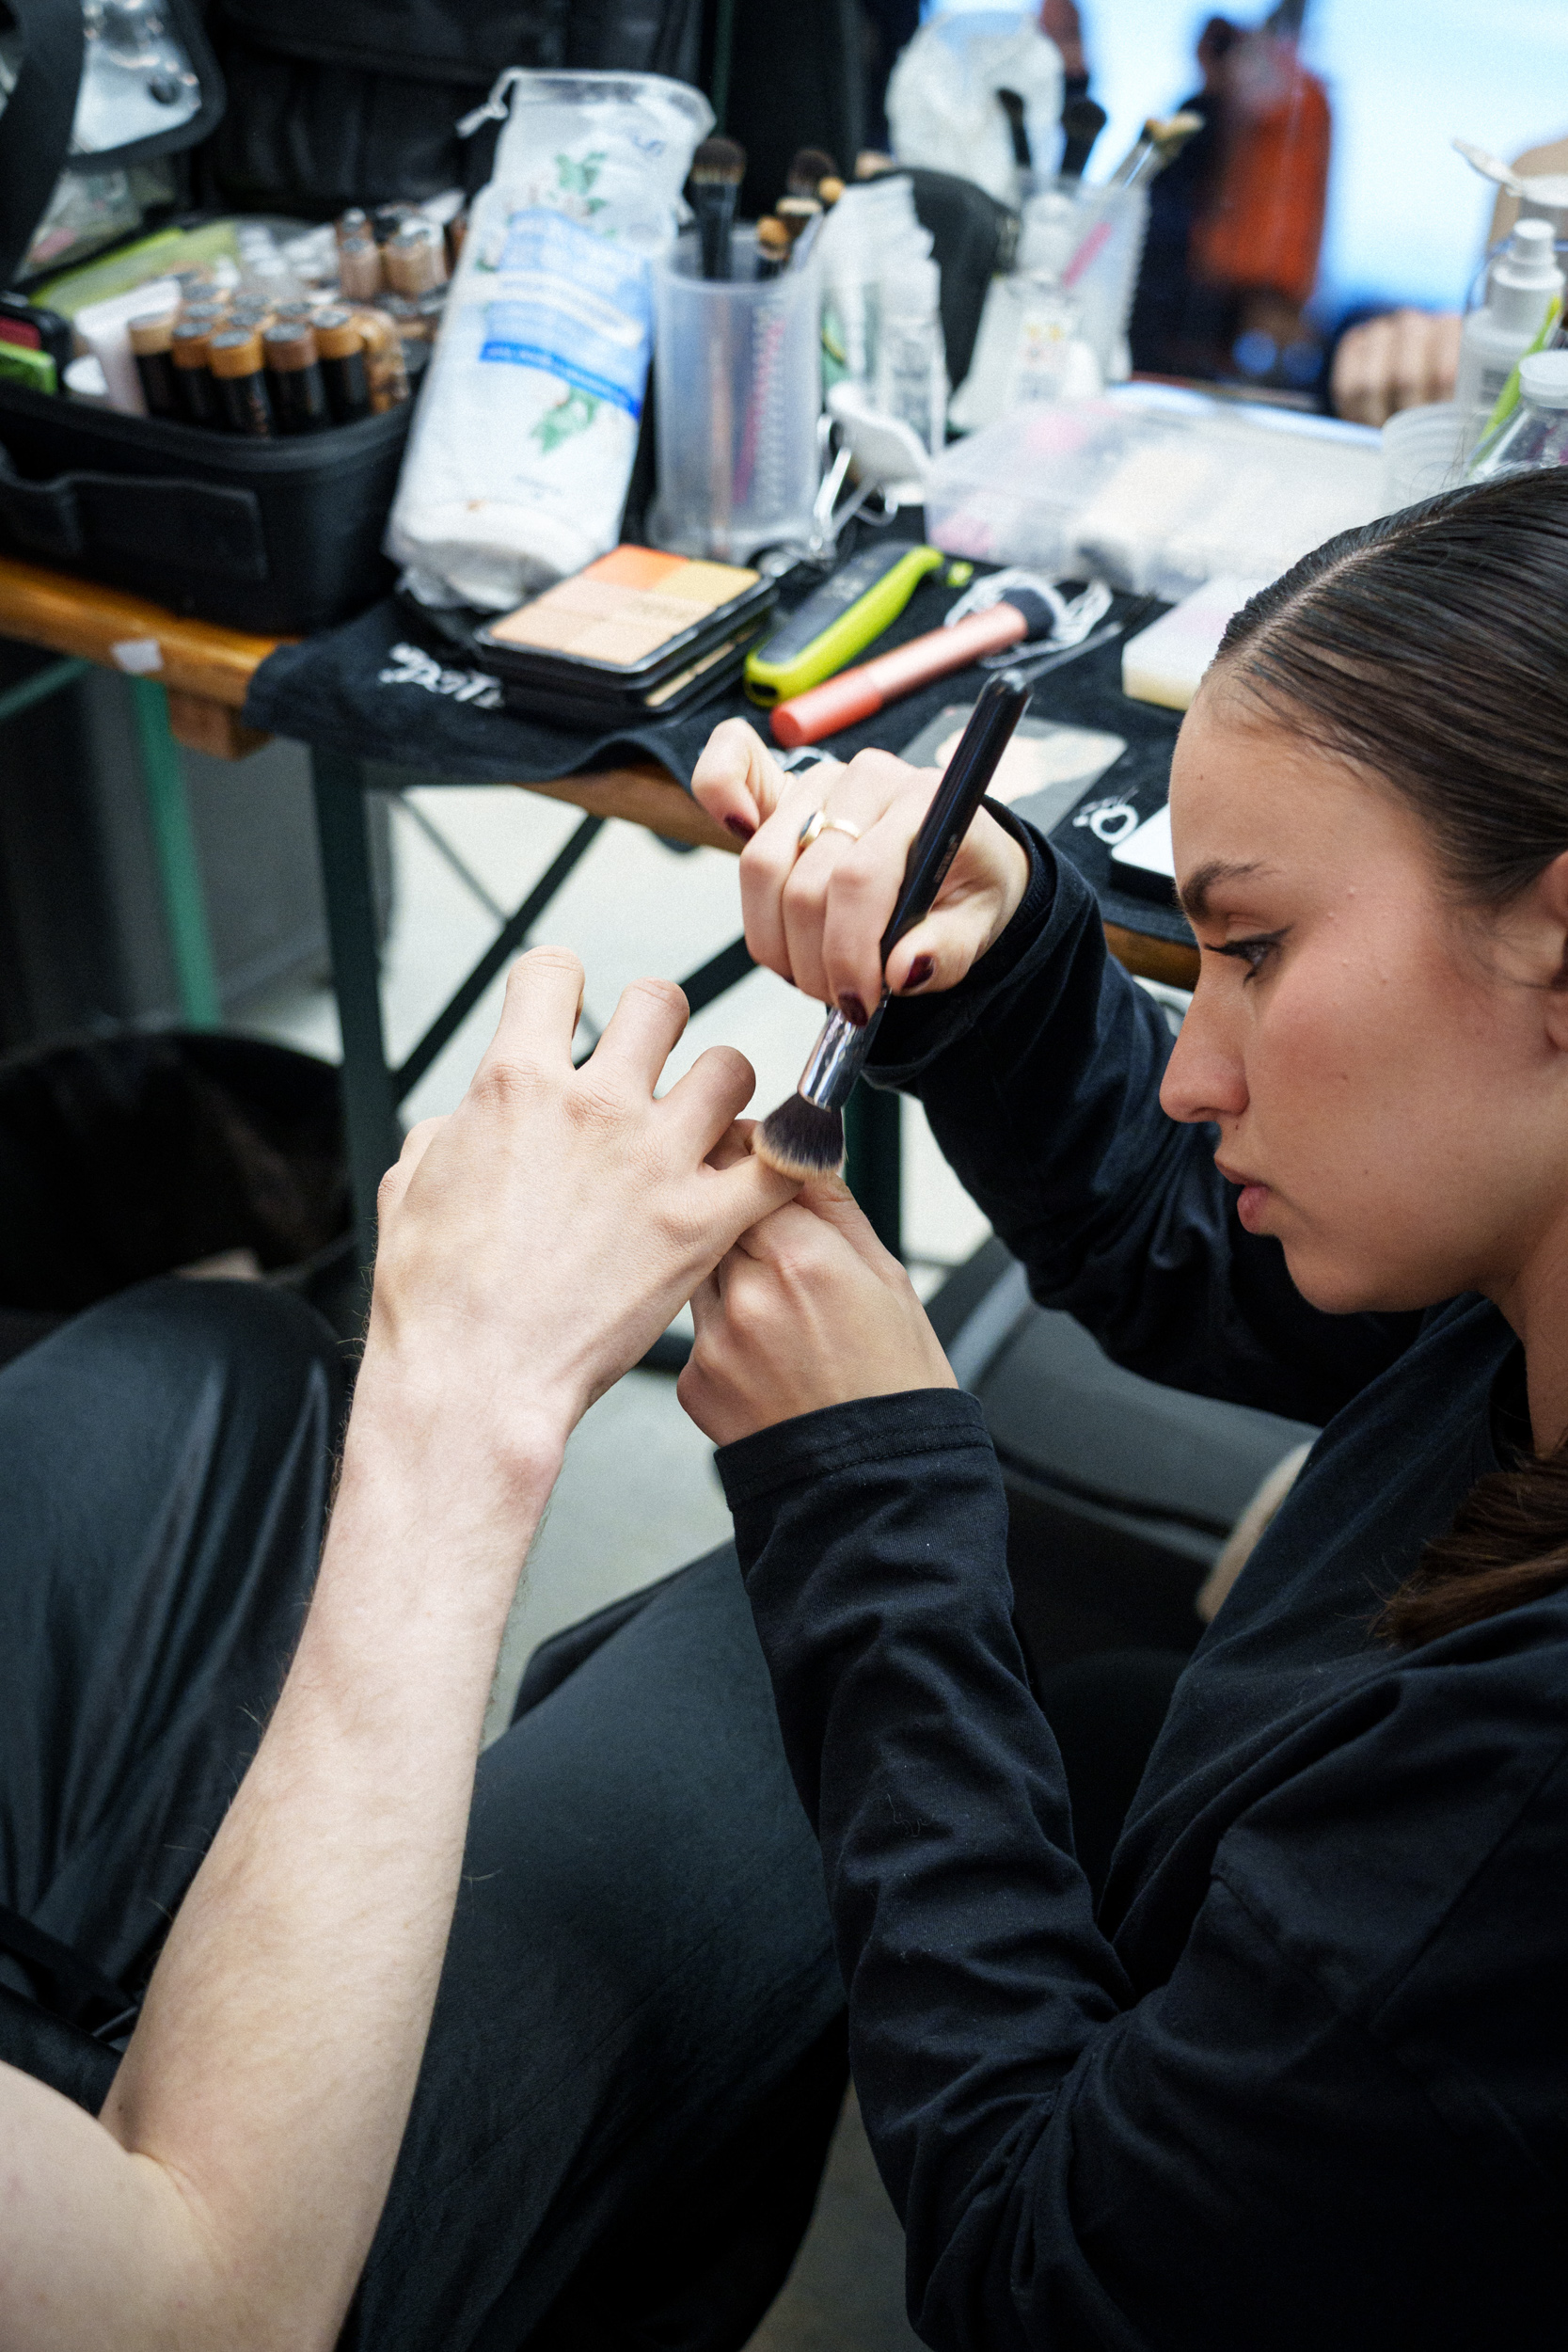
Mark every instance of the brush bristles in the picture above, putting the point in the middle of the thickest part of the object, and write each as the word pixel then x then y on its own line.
pixel 808 166
pixel 718 163
pixel 801 1141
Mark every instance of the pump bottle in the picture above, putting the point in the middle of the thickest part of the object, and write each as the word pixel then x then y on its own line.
pixel 1523 280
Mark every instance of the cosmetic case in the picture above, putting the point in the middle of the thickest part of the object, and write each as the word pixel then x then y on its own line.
pixel 354 106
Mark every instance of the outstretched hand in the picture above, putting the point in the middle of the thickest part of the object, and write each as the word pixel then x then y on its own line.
pixel 534 1244
pixel 816 916
pixel 808 1310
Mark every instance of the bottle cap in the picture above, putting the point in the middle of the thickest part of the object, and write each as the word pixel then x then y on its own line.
pixel 155 332
pixel 413 257
pixel 1530 258
pixel 337 336
pixel 289 346
pixel 1544 378
pixel 237 351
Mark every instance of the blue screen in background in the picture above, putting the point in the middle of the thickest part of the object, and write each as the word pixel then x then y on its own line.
pixel 1407 220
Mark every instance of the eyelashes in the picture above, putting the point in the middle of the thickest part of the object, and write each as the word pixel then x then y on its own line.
pixel 1254 952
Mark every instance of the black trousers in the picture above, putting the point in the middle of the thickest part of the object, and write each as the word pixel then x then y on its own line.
pixel 637 2054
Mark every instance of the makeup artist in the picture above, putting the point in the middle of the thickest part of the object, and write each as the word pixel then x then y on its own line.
pixel 1300 2076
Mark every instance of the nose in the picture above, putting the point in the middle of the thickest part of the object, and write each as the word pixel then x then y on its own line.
pixel 1205 1080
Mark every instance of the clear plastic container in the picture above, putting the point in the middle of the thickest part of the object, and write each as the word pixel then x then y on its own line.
pixel 912 357
pixel 1536 435
pixel 738 375
pixel 1152 490
pixel 1423 452
pixel 1101 270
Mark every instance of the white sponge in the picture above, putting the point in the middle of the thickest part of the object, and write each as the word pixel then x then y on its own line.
pixel 1165 662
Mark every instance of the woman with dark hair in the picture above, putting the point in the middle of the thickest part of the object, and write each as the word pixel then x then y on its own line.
pixel 1301 2078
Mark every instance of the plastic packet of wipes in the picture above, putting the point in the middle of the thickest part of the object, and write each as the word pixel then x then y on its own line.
pixel 522 448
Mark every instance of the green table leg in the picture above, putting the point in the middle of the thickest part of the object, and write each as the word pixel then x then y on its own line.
pixel 37 688
pixel 874 1160
pixel 174 845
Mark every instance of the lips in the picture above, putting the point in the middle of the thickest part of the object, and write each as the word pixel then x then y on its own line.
pixel 1253 1198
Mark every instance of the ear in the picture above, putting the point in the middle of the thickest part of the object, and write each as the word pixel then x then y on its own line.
pixel 1547 928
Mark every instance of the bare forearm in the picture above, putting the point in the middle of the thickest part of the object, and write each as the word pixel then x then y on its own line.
pixel 271 2072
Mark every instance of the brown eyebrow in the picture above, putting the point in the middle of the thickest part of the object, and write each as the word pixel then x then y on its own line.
pixel 1194 893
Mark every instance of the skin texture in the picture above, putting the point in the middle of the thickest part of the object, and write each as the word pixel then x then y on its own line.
pixel 1387 1070
pixel 815 917
pixel 533 1245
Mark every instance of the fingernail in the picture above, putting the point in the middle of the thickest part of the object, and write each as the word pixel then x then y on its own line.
pixel 921 970
pixel 853 1008
pixel 740 829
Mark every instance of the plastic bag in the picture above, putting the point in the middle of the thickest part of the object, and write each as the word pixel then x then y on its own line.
pixel 942 109
pixel 521 453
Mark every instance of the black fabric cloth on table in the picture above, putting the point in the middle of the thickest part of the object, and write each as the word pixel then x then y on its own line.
pixel 353 688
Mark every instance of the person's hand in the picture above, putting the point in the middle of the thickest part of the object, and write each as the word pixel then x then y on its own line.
pixel 1405 359
pixel 807 1310
pixel 534 1244
pixel 816 916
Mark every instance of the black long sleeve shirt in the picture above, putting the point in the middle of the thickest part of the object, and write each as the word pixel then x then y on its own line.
pixel 1304 2081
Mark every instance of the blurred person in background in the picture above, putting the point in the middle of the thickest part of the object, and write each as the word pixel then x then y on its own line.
pixel 1236 222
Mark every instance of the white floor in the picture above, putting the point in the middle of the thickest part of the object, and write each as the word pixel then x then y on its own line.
pixel 632 907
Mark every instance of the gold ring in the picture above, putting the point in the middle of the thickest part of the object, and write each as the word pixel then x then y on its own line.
pixel 820 821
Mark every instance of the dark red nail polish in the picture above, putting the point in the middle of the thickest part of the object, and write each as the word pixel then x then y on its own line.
pixel 740 829
pixel 921 970
pixel 853 1008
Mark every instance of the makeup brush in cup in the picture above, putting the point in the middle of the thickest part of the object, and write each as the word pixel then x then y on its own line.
pixel 718 168
pixel 804 1137
pixel 808 166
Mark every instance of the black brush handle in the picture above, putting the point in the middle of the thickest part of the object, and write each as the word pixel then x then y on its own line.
pixel 715 206
pixel 964 783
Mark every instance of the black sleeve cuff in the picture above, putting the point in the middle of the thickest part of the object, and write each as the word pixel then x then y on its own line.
pixel 873 1429
pixel 914 1028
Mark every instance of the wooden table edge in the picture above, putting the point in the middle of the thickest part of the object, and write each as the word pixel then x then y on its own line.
pixel 207 670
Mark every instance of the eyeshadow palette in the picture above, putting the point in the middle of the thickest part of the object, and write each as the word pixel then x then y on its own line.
pixel 587 706
pixel 631 623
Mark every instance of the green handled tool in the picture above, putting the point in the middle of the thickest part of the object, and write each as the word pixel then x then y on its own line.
pixel 839 619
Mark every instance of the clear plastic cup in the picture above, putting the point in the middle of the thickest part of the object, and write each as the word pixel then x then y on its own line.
pixel 1423 452
pixel 737 375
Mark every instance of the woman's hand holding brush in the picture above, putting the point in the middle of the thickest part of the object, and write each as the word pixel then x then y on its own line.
pixel 815 915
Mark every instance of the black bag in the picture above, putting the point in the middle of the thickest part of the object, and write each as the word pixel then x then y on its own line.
pixel 358 104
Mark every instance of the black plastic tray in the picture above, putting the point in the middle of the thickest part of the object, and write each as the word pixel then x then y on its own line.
pixel 277 537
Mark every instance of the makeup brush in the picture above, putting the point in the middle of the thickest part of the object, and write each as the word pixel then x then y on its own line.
pixel 1082 123
pixel 718 168
pixel 809 165
pixel 804 1137
pixel 1012 106
pixel 773 245
pixel 796 213
pixel 859 692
